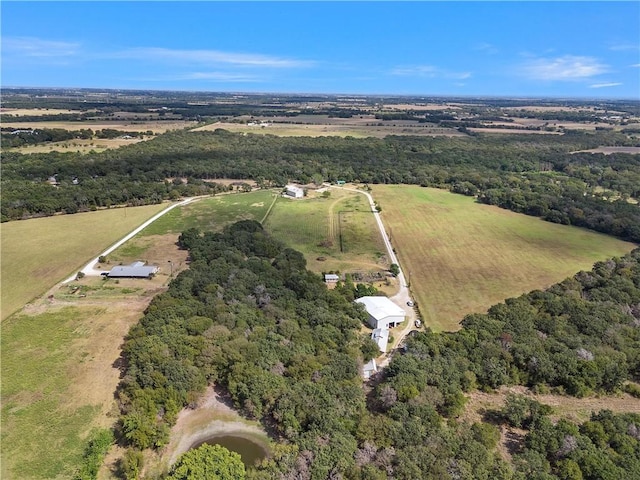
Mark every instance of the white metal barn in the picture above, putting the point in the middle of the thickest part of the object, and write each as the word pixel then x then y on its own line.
pixel 383 313
pixel 294 191
pixel 381 337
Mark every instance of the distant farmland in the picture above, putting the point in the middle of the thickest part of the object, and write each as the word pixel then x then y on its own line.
pixel 462 257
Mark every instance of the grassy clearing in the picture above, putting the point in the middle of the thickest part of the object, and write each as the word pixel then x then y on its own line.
pixel 79 145
pixel 462 257
pixel 340 229
pixel 213 213
pixel 332 130
pixel 39 252
pixel 58 377
pixel 124 125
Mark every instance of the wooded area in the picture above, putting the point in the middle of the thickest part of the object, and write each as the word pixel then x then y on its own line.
pixel 534 176
pixel 248 316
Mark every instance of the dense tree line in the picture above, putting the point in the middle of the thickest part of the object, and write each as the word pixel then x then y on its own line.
pixel 533 175
pixel 248 316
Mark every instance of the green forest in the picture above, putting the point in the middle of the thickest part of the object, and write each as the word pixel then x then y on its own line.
pixel 248 316
pixel 536 176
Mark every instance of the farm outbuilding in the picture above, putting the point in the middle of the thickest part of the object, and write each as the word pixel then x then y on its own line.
pixel 383 313
pixel 135 270
pixel 369 369
pixel 294 191
pixel 381 337
pixel 331 278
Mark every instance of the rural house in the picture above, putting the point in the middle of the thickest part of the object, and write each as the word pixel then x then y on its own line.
pixel 383 313
pixel 135 270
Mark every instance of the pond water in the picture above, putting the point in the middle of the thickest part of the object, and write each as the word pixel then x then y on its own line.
pixel 250 450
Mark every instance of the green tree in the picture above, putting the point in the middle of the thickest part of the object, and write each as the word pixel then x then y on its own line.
pixel 208 462
pixel 394 269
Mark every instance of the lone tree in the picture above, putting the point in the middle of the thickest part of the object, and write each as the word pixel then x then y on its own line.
pixel 394 269
pixel 208 462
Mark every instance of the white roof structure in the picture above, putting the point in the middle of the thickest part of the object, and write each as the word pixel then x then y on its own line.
pixel 135 270
pixel 369 369
pixel 381 337
pixel 294 191
pixel 381 307
pixel 331 277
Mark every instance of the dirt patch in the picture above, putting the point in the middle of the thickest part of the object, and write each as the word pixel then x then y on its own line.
pixel 212 416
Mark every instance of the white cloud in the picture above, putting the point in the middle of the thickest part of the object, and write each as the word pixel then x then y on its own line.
pixel 486 48
pixel 565 68
pixel 621 47
pixel 429 71
pixel 38 47
pixel 219 77
pixel 211 57
pixel 605 85
pixel 636 65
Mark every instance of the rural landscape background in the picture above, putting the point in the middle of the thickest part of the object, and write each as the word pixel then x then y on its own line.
pixel 482 175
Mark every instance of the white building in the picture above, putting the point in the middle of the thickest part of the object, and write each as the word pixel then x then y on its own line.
pixel 381 337
pixel 331 278
pixel 383 313
pixel 369 369
pixel 294 191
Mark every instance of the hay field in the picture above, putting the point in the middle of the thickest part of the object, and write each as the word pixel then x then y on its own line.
pixel 333 130
pixel 334 233
pixel 39 252
pixel 79 145
pixel 462 257
pixel 124 125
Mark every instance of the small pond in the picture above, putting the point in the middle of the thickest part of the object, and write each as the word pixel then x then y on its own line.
pixel 250 450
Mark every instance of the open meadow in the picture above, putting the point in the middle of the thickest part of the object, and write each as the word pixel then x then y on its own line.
pixel 335 233
pixel 39 252
pixel 60 370
pixel 461 257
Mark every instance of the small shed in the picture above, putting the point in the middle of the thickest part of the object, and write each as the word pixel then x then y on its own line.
pixel 294 191
pixel 135 270
pixel 381 337
pixel 331 278
pixel 369 369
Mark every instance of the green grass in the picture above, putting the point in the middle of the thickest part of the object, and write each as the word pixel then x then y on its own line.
pixel 340 229
pixel 213 213
pixel 462 257
pixel 43 430
pixel 39 252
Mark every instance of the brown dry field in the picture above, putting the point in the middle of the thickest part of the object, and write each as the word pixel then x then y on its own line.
pixel 610 150
pixel 124 125
pixel 427 107
pixel 80 145
pixel 306 130
pixel 513 131
pixel 21 112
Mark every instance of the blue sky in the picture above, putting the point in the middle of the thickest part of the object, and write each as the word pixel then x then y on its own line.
pixel 549 49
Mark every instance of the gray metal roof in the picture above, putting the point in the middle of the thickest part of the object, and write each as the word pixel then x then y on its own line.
pixel 134 270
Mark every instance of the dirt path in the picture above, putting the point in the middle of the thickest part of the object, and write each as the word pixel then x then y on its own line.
pixel 403 295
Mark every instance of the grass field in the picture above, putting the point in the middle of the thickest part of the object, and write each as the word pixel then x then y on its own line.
pixel 462 257
pixel 333 130
pixel 39 252
pixel 59 374
pixel 340 229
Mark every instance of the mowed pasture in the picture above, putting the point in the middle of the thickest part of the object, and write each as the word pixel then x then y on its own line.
pixel 336 233
pixel 39 252
pixel 461 257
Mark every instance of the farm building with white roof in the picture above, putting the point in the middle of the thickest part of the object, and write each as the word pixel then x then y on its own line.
pixel 381 337
pixel 294 191
pixel 383 313
pixel 135 270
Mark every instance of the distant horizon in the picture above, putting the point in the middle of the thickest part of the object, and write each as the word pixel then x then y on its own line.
pixel 338 94
pixel 577 49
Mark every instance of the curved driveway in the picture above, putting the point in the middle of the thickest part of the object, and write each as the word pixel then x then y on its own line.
pixel 90 270
pixel 403 296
